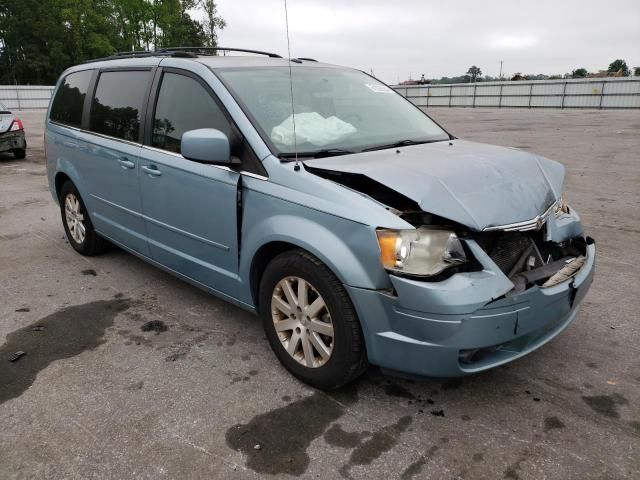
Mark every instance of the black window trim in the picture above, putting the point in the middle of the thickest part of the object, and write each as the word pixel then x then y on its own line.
pixel 151 110
pixel 93 86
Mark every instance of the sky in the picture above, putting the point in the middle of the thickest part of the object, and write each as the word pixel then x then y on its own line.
pixel 399 39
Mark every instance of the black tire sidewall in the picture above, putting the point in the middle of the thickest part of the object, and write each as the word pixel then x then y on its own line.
pixel 344 360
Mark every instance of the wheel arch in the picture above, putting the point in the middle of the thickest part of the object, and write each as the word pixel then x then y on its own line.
pixel 60 179
pixel 275 235
pixel 261 259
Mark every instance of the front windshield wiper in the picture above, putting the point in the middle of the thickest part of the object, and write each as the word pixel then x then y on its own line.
pixel 401 143
pixel 327 152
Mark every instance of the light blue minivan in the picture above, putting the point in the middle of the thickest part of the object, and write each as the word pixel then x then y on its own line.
pixel 357 228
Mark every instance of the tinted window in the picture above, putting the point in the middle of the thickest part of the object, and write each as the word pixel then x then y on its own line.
pixel 117 104
pixel 69 100
pixel 183 105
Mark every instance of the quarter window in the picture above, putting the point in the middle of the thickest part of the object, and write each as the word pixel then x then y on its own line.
pixel 117 104
pixel 69 100
pixel 184 104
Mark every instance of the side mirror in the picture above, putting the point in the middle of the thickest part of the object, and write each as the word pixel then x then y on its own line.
pixel 206 145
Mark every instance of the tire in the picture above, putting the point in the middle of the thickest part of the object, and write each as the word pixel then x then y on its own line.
pixel 90 243
pixel 347 359
pixel 19 153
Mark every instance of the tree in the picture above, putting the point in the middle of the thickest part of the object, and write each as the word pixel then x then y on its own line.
pixel 474 72
pixel 618 65
pixel 636 71
pixel 41 38
pixel 579 73
pixel 212 22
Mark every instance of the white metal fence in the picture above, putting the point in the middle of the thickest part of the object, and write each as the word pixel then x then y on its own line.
pixel 18 97
pixel 582 93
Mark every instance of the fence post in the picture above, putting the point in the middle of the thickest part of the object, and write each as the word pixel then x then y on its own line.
pixel 564 90
pixel 18 98
pixel 450 94
pixel 602 93
pixel 530 93
pixel 500 97
pixel 428 92
pixel 475 87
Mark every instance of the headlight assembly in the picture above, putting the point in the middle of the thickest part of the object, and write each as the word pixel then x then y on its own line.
pixel 421 252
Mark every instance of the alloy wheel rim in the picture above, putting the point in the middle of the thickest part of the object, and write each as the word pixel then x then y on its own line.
pixel 74 218
pixel 302 322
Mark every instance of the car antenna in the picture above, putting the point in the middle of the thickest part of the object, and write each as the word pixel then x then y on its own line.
pixel 296 167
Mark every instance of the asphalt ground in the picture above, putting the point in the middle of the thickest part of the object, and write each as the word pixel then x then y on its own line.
pixel 97 396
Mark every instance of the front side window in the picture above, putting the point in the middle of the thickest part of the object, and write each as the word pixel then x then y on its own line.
pixel 335 108
pixel 184 104
pixel 68 103
pixel 117 104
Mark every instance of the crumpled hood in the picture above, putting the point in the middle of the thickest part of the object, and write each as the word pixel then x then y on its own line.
pixel 471 183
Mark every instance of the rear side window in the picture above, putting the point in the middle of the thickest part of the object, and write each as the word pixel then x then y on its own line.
pixel 117 104
pixel 69 100
pixel 184 104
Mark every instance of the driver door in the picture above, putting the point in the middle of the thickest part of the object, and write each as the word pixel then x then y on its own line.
pixel 190 208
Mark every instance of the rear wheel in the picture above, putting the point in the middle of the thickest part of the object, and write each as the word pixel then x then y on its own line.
pixel 310 322
pixel 77 224
pixel 19 153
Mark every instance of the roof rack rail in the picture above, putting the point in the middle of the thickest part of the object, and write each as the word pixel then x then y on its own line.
pixel 188 52
pixel 208 50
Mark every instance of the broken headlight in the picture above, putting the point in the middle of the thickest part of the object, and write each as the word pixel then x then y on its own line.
pixel 561 206
pixel 422 252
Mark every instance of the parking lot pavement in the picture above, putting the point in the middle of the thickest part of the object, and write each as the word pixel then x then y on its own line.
pixel 200 395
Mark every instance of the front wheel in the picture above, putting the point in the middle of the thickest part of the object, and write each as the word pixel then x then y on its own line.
pixel 310 321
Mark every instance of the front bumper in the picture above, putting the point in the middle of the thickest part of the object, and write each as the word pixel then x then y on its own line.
pixel 12 140
pixel 464 324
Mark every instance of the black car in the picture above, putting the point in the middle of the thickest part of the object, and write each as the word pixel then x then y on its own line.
pixel 11 134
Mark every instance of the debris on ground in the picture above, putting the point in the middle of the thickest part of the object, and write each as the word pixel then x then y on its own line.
pixel 14 357
pixel 154 326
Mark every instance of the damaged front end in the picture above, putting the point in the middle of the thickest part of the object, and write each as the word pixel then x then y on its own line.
pixel 544 251
pixel 491 265
pixel 528 259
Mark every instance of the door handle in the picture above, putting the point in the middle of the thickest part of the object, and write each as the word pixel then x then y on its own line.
pixel 125 163
pixel 153 171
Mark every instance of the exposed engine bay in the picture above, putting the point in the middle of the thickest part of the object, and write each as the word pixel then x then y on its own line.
pixel 525 257
pixel 527 260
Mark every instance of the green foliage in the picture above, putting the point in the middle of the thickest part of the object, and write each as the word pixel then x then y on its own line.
pixel 212 22
pixel 40 38
pixel 636 71
pixel 618 65
pixel 474 73
pixel 579 73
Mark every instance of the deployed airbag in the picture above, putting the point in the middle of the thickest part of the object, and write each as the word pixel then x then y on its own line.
pixel 311 127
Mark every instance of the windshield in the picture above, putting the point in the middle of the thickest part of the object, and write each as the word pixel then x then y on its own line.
pixel 336 110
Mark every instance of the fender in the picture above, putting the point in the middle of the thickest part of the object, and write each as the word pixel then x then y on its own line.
pixel 348 248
